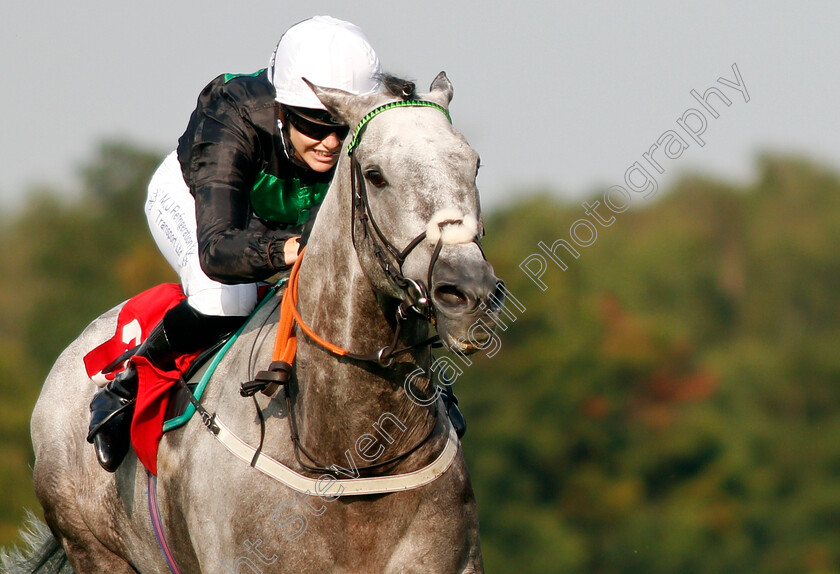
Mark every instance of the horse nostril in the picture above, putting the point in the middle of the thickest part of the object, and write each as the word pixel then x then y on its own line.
pixel 497 296
pixel 451 296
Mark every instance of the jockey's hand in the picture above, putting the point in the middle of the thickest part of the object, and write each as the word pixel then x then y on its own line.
pixel 290 250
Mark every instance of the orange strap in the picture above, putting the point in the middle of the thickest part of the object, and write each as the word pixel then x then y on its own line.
pixel 285 345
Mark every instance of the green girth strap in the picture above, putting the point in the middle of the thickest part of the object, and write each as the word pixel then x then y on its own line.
pixel 357 134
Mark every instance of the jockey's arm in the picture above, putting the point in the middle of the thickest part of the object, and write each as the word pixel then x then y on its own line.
pixel 234 246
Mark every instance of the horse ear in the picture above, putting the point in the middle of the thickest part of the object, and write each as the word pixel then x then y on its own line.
pixel 344 106
pixel 441 90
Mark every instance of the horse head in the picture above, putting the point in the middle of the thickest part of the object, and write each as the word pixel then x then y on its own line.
pixel 416 214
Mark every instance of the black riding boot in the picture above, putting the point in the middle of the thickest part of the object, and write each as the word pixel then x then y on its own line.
pixel 455 414
pixel 112 407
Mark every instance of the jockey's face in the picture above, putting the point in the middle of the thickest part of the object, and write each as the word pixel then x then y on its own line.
pixel 320 155
pixel 314 144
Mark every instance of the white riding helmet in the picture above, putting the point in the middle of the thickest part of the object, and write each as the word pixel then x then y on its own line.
pixel 328 52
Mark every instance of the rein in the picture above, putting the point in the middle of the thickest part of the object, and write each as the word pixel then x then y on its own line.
pixel 285 345
pixel 279 373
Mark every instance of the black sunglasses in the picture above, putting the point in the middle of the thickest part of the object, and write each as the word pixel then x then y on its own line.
pixel 315 127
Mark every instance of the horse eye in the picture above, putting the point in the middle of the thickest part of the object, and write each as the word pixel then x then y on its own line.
pixel 375 178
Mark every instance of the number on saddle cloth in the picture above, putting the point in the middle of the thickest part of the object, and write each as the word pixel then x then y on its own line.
pixel 136 319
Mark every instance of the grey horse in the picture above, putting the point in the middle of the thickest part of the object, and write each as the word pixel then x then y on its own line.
pixel 221 515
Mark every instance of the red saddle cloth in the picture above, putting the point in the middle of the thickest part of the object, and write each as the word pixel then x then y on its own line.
pixel 137 318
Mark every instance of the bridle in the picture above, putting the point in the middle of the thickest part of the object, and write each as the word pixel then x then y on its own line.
pixel 416 299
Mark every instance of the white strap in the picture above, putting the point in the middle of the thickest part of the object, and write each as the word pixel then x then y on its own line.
pixel 350 486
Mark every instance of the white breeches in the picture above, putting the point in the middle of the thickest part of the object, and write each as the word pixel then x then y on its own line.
pixel 170 210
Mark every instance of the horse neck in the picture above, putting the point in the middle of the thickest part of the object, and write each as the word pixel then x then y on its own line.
pixel 338 400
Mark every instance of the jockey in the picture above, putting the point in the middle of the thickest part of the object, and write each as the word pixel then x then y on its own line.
pixel 228 207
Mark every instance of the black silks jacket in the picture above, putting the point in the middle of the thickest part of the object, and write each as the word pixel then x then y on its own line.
pixel 233 145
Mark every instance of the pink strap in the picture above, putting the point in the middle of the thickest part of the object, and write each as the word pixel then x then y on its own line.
pixel 157 524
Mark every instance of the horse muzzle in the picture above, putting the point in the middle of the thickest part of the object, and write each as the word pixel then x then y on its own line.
pixel 467 300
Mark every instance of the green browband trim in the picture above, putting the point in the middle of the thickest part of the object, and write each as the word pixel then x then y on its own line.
pixel 357 134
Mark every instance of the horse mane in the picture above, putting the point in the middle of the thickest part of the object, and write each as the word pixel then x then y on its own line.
pixel 398 87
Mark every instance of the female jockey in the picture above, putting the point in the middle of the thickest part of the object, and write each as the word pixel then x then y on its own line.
pixel 227 208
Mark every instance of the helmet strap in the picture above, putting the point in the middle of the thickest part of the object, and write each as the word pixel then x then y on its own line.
pixel 288 148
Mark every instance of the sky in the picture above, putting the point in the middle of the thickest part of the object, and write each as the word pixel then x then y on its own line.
pixel 554 95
